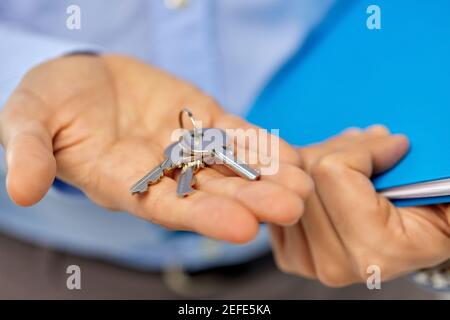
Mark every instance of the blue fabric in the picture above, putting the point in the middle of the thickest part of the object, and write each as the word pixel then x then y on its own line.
pixel 349 75
pixel 227 48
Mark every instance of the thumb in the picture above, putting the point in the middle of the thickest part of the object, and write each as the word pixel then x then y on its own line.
pixel 342 179
pixel 373 156
pixel 31 166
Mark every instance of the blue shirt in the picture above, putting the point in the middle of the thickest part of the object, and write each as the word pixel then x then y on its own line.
pixel 228 48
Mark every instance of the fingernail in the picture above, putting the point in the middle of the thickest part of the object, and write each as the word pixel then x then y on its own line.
pixel 401 138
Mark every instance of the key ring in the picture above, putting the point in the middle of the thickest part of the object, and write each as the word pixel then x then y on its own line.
pixel 196 130
pixel 191 117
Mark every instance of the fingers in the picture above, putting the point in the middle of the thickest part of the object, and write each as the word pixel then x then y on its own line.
pixel 31 166
pixel 356 213
pixel 279 196
pixel 291 250
pixel 328 253
pixel 313 153
pixel 268 201
pixel 212 215
pixel 375 155
pixel 348 227
pixel 276 198
pixel 383 156
pixel 328 240
pixel 343 175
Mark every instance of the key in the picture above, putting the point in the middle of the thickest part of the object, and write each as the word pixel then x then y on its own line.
pixel 213 143
pixel 173 157
pixel 238 166
pixel 187 179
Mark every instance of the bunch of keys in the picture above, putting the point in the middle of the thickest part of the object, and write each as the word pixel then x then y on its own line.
pixel 195 150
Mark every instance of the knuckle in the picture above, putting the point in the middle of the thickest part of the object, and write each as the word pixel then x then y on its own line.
pixel 379 129
pixel 333 275
pixel 328 166
pixel 286 267
pixel 307 158
pixel 286 263
pixel 290 155
pixel 281 264
pixel 351 132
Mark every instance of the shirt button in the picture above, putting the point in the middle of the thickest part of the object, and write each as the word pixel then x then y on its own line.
pixel 175 4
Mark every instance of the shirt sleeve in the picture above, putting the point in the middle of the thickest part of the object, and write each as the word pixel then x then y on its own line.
pixel 21 51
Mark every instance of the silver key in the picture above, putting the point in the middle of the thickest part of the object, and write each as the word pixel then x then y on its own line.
pixel 213 143
pixel 238 166
pixel 173 157
pixel 187 178
pixel 185 182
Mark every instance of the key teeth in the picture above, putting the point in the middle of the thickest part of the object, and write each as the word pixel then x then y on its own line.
pixel 135 190
pixel 139 187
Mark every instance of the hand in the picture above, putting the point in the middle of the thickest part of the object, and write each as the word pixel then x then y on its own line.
pixel 99 123
pixel 347 226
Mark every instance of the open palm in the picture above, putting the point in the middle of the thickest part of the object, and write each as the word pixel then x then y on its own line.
pixel 101 122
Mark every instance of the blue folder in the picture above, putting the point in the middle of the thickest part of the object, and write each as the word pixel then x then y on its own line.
pixel 347 75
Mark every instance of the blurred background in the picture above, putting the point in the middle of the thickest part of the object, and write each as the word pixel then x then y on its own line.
pixel 22 278
pixel 230 49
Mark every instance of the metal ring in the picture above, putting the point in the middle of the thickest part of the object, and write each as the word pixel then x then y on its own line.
pixel 190 115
